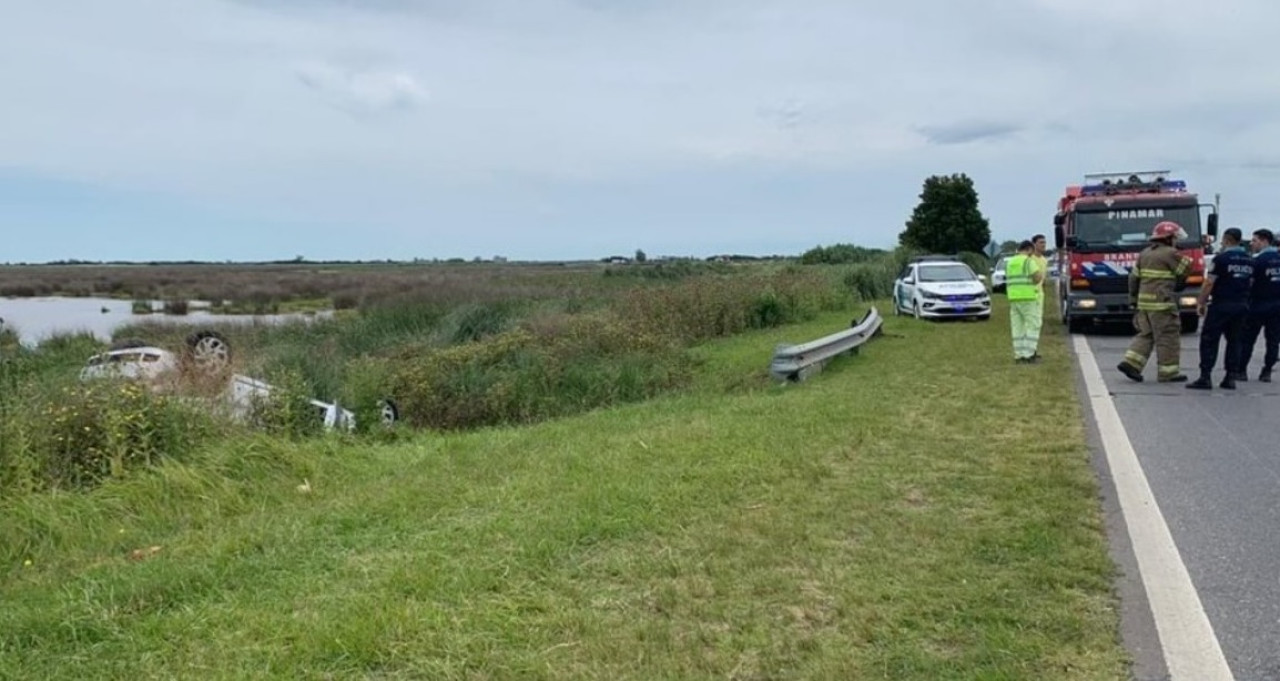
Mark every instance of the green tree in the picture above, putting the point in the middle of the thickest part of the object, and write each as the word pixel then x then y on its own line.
pixel 947 219
pixel 640 256
pixel 1009 246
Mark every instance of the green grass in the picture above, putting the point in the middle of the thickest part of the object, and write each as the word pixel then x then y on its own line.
pixel 924 510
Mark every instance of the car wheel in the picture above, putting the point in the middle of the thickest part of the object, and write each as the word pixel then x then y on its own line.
pixel 388 412
pixel 209 350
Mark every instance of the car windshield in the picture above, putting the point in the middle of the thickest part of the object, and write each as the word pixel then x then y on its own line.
pixel 956 272
pixel 1128 227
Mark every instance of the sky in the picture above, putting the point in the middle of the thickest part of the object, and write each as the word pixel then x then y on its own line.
pixel 566 129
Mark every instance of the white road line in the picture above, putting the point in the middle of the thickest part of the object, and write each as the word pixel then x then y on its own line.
pixel 1191 650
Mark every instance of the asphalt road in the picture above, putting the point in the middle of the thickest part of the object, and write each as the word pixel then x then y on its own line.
pixel 1212 460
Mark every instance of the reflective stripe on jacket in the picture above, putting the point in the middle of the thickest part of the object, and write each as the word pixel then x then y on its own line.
pixel 1157 276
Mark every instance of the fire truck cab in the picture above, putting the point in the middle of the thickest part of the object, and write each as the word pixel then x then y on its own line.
pixel 1100 228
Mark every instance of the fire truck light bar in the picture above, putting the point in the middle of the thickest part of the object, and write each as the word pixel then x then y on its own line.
pixel 1110 187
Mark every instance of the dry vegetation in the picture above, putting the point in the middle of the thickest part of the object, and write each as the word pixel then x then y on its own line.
pixel 261 285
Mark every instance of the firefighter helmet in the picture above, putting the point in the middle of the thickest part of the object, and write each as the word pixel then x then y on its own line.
pixel 1167 229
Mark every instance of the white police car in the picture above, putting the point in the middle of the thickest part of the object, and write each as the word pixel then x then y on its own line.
pixel 940 287
pixel 997 274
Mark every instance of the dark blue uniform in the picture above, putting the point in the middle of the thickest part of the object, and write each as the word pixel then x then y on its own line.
pixel 1264 310
pixel 1233 276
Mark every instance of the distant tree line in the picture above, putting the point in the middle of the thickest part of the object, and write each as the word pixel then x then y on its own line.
pixel 840 254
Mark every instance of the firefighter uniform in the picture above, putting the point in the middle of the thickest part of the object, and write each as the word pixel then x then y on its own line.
pixel 1227 315
pixel 1154 281
pixel 1264 313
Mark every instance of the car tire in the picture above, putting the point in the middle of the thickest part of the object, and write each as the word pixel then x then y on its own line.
pixel 209 350
pixel 388 412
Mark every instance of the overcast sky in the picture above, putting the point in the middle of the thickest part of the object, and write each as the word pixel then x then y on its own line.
pixel 546 129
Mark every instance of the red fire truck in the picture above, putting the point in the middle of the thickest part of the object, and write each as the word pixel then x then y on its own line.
pixel 1100 228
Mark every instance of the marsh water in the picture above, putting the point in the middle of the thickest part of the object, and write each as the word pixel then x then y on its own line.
pixel 35 319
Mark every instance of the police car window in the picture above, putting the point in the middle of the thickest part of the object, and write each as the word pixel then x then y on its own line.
pixel 955 272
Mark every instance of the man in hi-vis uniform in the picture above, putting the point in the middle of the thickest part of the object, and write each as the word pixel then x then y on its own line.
pixel 1154 282
pixel 1023 278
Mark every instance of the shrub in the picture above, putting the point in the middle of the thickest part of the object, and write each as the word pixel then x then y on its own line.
pixel 872 280
pixel 473 322
pixel 346 301
pixel 287 411
pixel 530 374
pixel 711 307
pixel 978 261
pixel 840 254
pixel 75 436
pixel 177 306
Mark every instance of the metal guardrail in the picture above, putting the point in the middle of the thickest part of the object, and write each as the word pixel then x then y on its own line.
pixel 798 362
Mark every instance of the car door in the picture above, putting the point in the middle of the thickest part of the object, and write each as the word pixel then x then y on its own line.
pixel 907 288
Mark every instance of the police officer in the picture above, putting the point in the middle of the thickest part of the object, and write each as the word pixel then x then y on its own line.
pixel 1229 283
pixel 1154 281
pixel 1264 306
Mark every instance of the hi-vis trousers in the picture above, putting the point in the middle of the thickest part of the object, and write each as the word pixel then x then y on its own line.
pixel 1026 317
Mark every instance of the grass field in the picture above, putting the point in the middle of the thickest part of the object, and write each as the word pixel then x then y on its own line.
pixel 924 510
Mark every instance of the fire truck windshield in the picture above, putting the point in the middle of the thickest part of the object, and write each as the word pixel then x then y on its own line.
pixel 1124 227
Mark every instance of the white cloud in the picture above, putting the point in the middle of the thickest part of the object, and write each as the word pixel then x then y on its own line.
pixel 362 92
pixel 334 111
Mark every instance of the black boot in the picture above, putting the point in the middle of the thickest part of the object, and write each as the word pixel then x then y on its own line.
pixel 1130 371
pixel 1242 376
pixel 1202 383
pixel 1265 376
pixel 1228 383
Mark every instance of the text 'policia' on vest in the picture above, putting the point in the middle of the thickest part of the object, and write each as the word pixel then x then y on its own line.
pixel 1102 226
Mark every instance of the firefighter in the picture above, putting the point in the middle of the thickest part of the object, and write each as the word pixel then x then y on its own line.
pixel 1229 284
pixel 1264 312
pixel 1023 279
pixel 1154 281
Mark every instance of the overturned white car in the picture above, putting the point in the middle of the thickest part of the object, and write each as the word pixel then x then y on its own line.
pixel 207 357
